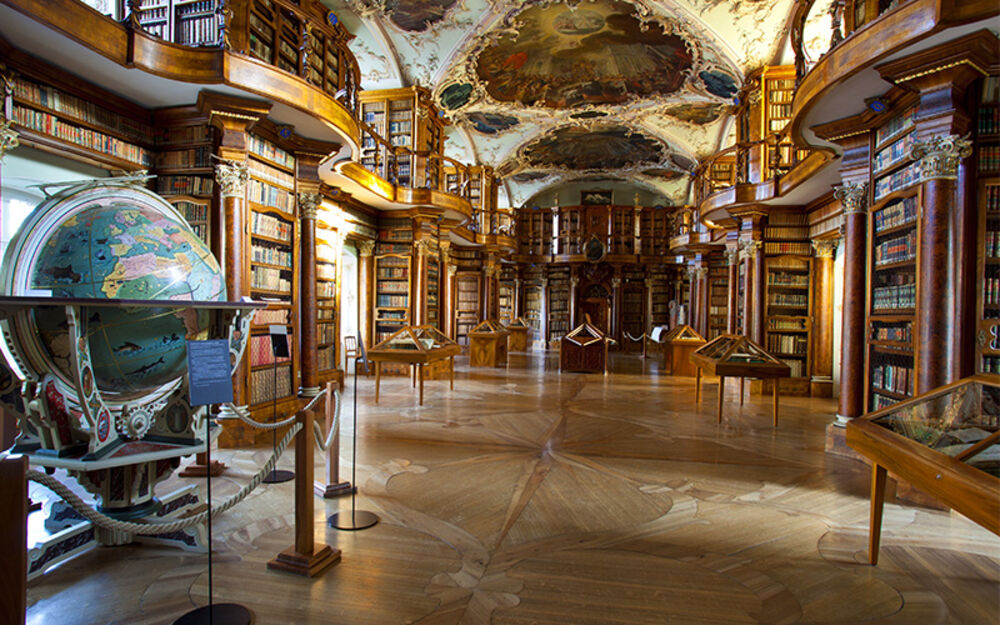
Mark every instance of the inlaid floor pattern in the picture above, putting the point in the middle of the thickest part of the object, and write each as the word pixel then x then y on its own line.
pixel 526 496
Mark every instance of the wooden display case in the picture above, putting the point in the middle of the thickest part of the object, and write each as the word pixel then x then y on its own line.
pixel 417 347
pixel 519 338
pixel 677 345
pixel 944 442
pixel 584 350
pixel 732 355
pixel 488 344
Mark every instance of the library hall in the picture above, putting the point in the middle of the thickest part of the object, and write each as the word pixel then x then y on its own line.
pixel 500 312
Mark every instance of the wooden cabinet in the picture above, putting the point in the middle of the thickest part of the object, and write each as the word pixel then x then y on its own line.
pixel 584 350
pixel 488 345
pixel 678 344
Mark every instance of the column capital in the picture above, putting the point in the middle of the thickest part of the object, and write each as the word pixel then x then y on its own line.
pixel 854 197
pixel 748 248
pixel 616 282
pixel 691 272
pixel 309 205
pixel 544 282
pixel 366 247
pixel 424 247
pixel 574 281
pixel 452 270
pixel 701 272
pixel 940 156
pixel 445 247
pixel 825 248
pixel 8 137
pixel 232 177
pixel 732 254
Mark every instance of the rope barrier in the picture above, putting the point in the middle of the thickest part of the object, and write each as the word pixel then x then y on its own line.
pixel 155 529
pixel 634 339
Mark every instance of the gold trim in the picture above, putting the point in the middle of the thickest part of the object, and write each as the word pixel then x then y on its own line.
pixel 849 134
pixel 252 118
pixel 941 68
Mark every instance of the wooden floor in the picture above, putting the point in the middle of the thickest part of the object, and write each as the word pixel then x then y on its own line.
pixel 526 496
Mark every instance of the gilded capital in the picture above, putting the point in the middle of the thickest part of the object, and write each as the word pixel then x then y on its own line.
pixel 825 248
pixel 574 281
pixel 691 272
pixel 8 137
pixel 232 177
pixel 366 247
pixel 749 247
pixel 616 282
pixel 732 255
pixel 452 270
pixel 939 157
pixel 309 205
pixel 701 272
pixel 854 197
pixel 424 247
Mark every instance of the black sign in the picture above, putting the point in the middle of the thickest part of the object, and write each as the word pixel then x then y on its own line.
pixel 279 341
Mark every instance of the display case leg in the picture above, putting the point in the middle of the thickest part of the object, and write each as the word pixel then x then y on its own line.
pixel 420 374
pixel 742 393
pixel 875 515
pixel 697 385
pixel 378 378
pixel 775 402
pixel 722 393
pixel 451 373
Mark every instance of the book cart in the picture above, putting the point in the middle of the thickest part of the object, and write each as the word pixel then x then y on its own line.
pixel 732 355
pixel 944 442
pixel 416 346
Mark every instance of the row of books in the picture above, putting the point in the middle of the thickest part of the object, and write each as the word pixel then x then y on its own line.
pixel 901 333
pixel 993 198
pixel 271 152
pixel 260 49
pixel 784 278
pixel 270 226
pixel 270 316
pixel 393 315
pixel 197 30
pixel 401 234
pixel 893 378
pixel 264 387
pixel 393 287
pixel 192 157
pixel 270 255
pixel 988 120
pixel 200 231
pixel 991 290
pixel 894 153
pixel 270 174
pixel 86 111
pixel 326 312
pixel 989 157
pixel 184 134
pixel 788 299
pixel 91 139
pixel 786 324
pixel 787 247
pixel 894 297
pixel 895 126
pixel 327 333
pixel 184 185
pixel 270 279
pixel 192 211
pixel 325 358
pixel 882 401
pixel 786 232
pixel 326 271
pixel 895 214
pixel 897 249
pixel 326 290
pixel 788 344
pixel 797 367
pixel 261 352
pixel 992 244
pixel 779 111
pixel 267 195
pixel 896 181
pixel 393 301
pixel 382 248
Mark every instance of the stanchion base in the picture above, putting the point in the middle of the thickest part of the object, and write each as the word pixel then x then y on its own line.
pixel 221 614
pixel 329 491
pixel 201 470
pixel 277 476
pixel 353 520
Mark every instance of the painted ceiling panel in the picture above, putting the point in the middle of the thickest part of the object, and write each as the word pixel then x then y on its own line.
pixel 547 91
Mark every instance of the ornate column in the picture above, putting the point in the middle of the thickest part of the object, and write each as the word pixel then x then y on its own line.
pixel 854 197
pixel 308 339
pixel 444 300
pixel 232 233
pixel 692 313
pixel 759 290
pixel 822 330
pixel 452 295
pixel 422 248
pixel 517 298
pixel 649 283
pixel 939 158
pixel 733 261
pixel 543 323
pixel 748 256
pixel 701 274
pixel 365 290
pixel 491 289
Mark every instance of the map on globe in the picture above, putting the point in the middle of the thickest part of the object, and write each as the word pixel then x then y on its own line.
pixel 111 250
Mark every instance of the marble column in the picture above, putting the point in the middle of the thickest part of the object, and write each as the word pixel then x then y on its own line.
pixel 615 329
pixel 939 158
pixel 854 197
pixel 366 291
pixel 759 293
pixel 822 330
pixel 733 261
pixel 231 233
pixel 447 313
pixel 308 339
pixel 574 283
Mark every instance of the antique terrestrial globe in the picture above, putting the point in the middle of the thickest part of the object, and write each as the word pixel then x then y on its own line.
pixel 118 242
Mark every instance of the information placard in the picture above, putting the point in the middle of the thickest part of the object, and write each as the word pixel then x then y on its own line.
pixel 210 378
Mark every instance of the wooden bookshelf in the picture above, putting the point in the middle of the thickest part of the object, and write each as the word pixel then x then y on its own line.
pixel 534 300
pixel 432 283
pixel 272 265
pixel 777 92
pixel 327 300
pixel 392 294
pixel 788 311
pixel 718 298
pixel 507 295
pixel 988 244
pixel 187 22
pixel 407 119
pixel 633 307
pixel 467 288
pixel 659 295
pixel 654 232
pixel 535 232
pixel 559 322
pixel 184 168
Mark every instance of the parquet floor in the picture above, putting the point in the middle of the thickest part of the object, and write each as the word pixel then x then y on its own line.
pixel 526 496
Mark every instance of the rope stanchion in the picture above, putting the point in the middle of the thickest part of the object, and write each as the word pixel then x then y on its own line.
pixel 155 529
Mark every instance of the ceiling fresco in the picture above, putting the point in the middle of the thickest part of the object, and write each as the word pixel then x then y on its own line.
pixel 646 84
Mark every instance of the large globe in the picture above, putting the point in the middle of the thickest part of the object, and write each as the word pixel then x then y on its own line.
pixel 114 242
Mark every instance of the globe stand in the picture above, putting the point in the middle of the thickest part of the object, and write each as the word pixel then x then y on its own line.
pixel 221 613
pixel 279 349
pixel 356 519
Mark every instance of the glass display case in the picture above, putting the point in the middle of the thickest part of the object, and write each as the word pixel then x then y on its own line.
pixel 733 355
pixel 944 442
pixel 677 345
pixel 584 349
pixel 488 344
pixel 417 346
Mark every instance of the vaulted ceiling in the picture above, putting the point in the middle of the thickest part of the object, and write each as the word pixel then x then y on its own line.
pixel 554 91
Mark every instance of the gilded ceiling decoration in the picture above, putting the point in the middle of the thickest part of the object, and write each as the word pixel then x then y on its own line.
pixel 582 148
pixel 564 57
pixel 491 123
